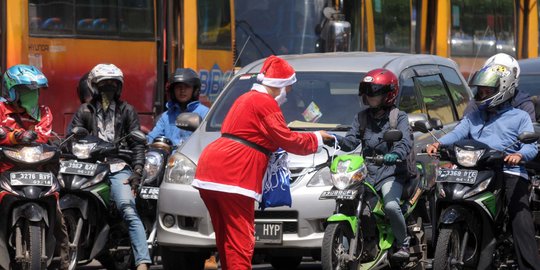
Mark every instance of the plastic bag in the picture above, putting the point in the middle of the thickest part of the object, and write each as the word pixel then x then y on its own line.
pixel 276 182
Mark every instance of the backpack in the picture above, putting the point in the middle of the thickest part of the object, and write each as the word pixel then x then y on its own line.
pixel 412 170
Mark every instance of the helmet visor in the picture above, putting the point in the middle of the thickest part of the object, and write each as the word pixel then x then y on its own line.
pixel 372 90
pixel 29 101
pixel 489 76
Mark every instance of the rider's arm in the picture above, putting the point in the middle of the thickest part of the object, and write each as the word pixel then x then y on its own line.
pixel 528 151
pixel 461 131
pixel 159 128
pixel 44 127
pixel 404 146
pixel 132 124
pixel 352 138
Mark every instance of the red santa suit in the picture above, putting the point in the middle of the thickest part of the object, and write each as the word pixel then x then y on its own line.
pixel 229 173
pixel 43 128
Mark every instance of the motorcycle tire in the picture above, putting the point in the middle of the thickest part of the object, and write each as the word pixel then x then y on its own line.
pixel 31 236
pixel 333 238
pixel 71 218
pixel 449 247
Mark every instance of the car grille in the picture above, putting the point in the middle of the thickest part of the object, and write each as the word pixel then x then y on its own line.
pixel 289 219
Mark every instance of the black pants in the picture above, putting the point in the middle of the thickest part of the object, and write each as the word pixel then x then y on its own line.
pixel 517 200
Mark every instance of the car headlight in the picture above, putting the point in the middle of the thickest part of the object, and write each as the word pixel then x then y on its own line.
pixel 180 170
pixel 321 178
pixel 29 154
pixel 82 150
pixel 468 158
pixel 153 163
pixel 481 187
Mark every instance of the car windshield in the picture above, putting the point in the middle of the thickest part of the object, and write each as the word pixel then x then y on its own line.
pixel 530 84
pixel 317 101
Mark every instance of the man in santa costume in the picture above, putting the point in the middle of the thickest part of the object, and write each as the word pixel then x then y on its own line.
pixel 230 170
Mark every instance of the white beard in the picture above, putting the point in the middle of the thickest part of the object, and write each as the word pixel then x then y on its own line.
pixel 282 97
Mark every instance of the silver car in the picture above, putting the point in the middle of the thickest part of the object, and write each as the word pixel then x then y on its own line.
pixel 325 97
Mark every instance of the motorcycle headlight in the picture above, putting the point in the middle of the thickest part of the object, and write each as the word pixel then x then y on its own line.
pixel 153 163
pixel 180 170
pixel 481 187
pixel 29 154
pixel 82 150
pixel 468 158
pixel 342 179
pixel 321 178
pixel 98 178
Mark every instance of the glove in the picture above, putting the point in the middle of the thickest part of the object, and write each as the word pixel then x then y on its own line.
pixel 25 137
pixel 390 158
pixel 135 179
pixel 3 133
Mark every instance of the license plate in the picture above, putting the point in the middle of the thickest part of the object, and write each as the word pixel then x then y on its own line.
pixel 31 179
pixel 78 168
pixel 457 176
pixel 149 193
pixel 348 194
pixel 269 232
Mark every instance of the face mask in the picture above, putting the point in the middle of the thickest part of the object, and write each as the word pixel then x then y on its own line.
pixel 29 101
pixel 107 95
pixel 282 97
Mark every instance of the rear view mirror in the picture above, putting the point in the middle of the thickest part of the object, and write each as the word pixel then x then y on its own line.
pixel 392 135
pixel 528 137
pixel 138 136
pixel 79 132
pixel 188 121
pixel 436 123
pixel 423 126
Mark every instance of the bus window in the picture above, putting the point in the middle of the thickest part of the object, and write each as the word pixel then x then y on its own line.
pixel 46 16
pixel 482 28
pixel 458 91
pixel 214 24
pixel 96 17
pixel 435 98
pixel 137 17
pixel 392 20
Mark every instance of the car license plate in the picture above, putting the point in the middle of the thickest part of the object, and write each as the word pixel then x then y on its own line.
pixel 149 193
pixel 31 179
pixel 457 176
pixel 269 232
pixel 347 194
pixel 78 168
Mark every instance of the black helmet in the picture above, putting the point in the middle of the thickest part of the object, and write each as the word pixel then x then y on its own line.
pixel 187 76
pixel 83 89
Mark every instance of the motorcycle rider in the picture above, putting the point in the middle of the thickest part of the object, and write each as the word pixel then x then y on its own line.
pixel 183 88
pixel 24 121
pixel 109 118
pixel 379 89
pixel 498 124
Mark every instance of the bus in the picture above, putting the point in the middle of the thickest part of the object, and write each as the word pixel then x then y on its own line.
pixel 465 30
pixel 147 39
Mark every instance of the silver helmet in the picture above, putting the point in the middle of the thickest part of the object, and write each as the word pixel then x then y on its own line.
pixel 501 79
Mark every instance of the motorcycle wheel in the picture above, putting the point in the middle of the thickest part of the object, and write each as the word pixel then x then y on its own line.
pixel 32 246
pixel 335 247
pixel 449 248
pixel 71 218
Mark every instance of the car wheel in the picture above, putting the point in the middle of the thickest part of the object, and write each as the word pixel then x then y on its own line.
pixel 173 260
pixel 283 263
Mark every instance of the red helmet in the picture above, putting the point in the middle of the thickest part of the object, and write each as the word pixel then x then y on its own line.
pixel 378 82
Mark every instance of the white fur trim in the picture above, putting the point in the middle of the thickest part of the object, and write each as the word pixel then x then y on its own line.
pixel 226 188
pixel 259 88
pixel 319 141
pixel 260 77
pixel 278 83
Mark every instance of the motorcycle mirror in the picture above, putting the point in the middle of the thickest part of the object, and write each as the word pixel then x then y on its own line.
pixel 436 123
pixel 392 135
pixel 528 137
pixel 79 132
pixel 188 121
pixel 138 136
pixel 423 126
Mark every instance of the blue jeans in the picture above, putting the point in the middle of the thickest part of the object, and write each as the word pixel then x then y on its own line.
pixel 391 192
pixel 125 203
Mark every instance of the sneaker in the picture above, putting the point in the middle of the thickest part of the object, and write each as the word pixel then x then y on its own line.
pixel 401 254
pixel 142 266
pixel 210 263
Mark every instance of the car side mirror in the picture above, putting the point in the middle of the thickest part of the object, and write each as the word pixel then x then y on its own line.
pixel 423 126
pixel 392 135
pixel 188 121
pixel 528 137
pixel 436 123
pixel 138 136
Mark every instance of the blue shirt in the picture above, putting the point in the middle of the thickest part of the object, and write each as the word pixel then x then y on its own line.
pixel 499 131
pixel 166 125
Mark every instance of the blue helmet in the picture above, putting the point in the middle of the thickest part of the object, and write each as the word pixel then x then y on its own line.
pixel 23 75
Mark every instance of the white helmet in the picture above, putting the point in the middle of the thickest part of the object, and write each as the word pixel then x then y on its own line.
pixel 502 79
pixel 105 72
pixel 505 60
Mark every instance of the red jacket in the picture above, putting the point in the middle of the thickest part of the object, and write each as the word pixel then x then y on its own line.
pixel 43 128
pixel 229 166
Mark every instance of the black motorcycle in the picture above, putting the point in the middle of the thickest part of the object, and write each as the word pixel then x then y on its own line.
pixel 95 227
pixel 28 203
pixel 470 206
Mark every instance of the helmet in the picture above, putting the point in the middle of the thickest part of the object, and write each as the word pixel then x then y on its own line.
pixel 380 82
pixel 103 72
pixel 83 89
pixel 21 75
pixel 187 76
pixel 502 79
pixel 505 60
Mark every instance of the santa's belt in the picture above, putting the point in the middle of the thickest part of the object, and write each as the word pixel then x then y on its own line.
pixel 246 143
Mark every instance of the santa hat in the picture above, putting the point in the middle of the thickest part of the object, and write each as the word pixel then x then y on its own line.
pixel 276 72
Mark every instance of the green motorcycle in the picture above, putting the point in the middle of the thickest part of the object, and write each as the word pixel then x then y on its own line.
pixel 359 235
